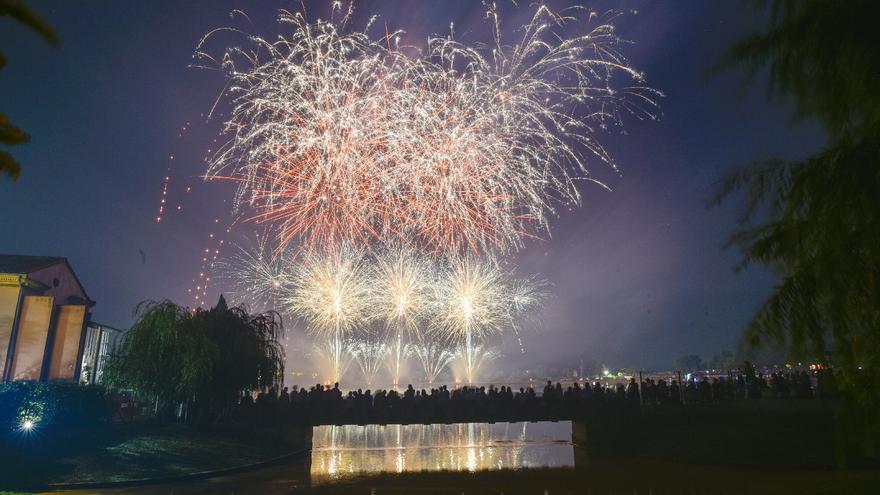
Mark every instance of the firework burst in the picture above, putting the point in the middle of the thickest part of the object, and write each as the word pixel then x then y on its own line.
pixel 334 360
pixel 331 293
pixel 435 357
pixel 369 352
pixel 470 367
pixel 257 275
pixel 337 138
pixel 402 281
pixel 401 298
pixel 476 300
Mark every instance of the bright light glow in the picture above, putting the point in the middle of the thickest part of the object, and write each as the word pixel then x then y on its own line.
pixel 435 358
pixel 477 300
pixel 430 159
pixel 401 298
pixel 27 425
pixel 369 353
pixel 331 292
pixel 480 355
pixel 401 294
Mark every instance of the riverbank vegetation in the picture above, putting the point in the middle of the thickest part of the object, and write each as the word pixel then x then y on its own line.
pixel 196 364
pixel 816 222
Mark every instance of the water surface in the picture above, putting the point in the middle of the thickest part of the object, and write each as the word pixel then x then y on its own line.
pixel 350 450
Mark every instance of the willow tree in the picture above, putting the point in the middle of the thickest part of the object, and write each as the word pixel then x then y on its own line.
pixel 816 222
pixel 9 134
pixel 204 359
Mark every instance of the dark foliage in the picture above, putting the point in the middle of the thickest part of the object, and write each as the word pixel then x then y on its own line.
pixel 824 53
pixel 9 134
pixel 816 222
pixel 204 359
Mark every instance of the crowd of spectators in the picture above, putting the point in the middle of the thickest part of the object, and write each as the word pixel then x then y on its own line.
pixel 777 384
pixel 329 405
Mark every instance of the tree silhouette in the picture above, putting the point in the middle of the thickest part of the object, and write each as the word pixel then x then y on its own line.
pixel 816 222
pixel 205 359
pixel 11 135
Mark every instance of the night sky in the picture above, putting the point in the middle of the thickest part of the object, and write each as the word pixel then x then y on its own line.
pixel 639 275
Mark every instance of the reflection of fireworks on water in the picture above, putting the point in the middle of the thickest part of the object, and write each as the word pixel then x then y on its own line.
pixel 339 139
pixel 401 298
pixel 477 300
pixel 331 293
pixel 370 354
pixel 257 276
pixel 435 358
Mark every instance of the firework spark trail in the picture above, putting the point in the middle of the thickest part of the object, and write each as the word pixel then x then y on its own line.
pixel 257 276
pixel 339 358
pixel 435 358
pixel 401 298
pixel 307 132
pixel 331 293
pixel 337 138
pixel 400 351
pixel 210 258
pixel 480 355
pixel 347 297
pixel 343 296
pixel 477 300
pixel 370 353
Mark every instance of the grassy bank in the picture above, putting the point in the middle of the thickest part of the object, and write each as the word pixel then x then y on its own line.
pixel 121 453
pixel 595 478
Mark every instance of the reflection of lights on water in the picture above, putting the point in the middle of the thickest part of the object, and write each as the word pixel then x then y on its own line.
pixel 344 450
pixel 400 461
pixel 332 467
pixel 471 460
